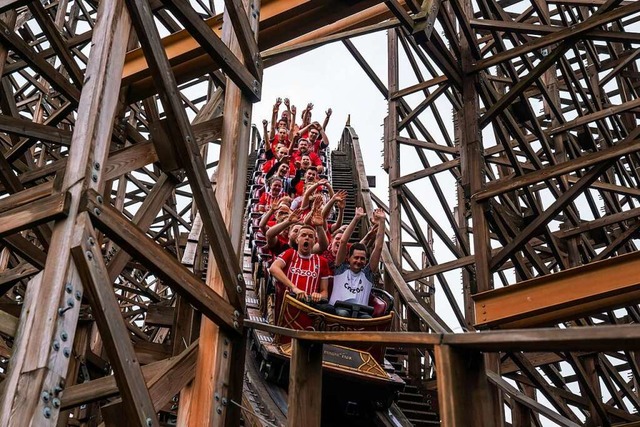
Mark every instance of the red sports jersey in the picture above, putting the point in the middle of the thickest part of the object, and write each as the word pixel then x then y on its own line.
pixel 305 272
pixel 266 199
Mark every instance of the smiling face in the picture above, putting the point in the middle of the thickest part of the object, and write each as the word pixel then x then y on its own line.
pixel 310 175
pixel 303 146
pixel 357 260
pixel 276 187
pixel 282 134
pixel 283 170
pixel 281 151
pixel 335 243
pixel 305 162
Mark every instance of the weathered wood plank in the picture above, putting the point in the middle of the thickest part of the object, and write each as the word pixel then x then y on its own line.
pixel 28 216
pixel 305 384
pixel 36 363
pixel 115 336
pixel 463 389
pixel 154 257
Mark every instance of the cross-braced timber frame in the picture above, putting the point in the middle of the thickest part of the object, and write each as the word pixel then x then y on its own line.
pixel 511 144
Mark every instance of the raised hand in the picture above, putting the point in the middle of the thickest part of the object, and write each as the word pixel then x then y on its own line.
pixel 310 106
pixel 378 216
pixel 329 112
pixel 317 203
pixel 341 195
pixel 286 102
pixel 360 213
pixel 293 109
pixel 295 216
pixel 264 123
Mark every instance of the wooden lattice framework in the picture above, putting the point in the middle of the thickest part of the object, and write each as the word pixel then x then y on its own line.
pixel 525 110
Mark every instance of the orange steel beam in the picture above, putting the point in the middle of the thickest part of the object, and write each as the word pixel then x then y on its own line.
pixel 569 294
pixel 280 21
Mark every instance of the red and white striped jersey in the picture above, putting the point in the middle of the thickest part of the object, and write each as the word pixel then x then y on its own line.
pixel 305 271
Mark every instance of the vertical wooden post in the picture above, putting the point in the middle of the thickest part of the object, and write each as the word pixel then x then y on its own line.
pixel 415 364
pixel 305 384
pixel 392 151
pixel 38 363
pixel 521 415
pixel 463 389
pixel 209 401
pixel 472 181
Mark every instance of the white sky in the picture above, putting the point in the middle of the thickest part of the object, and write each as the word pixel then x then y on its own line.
pixel 329 77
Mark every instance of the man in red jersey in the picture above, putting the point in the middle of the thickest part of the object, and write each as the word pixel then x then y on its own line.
pixel 300 271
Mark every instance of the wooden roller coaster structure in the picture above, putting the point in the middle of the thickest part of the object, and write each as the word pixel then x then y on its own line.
pixel 512 153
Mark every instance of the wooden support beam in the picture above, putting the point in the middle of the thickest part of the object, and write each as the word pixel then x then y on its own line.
pixel 27 250
pixel 115 336
pixel 27 128
pixel 305 384
pixel 26 196
pixel 187 150
pixel 544 217
pixel 523 84
pixel 528 401
pixel 569 294
pixel 279 23
pixel 59 45
pixel 12 40
pixel 405 19
pixel 221 356
pixel 626 146
pixel 28 216
pixel 221 54
pixel 463 389
pixel 155 258
pixel 574 31
pixel 247 42
pixel 37 364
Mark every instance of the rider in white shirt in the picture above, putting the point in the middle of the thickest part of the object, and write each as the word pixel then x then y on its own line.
pixel 354 274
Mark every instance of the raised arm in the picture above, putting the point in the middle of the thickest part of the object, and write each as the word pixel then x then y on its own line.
pixel 325 139
pixel 292 124
pixel 306 196
pixel 274 117
pixel 267 143
pixel 272 233
pixel 336 198
pixel 316 220
pixel 264 219
pixel 326 119
pixel 374 261
pixel 336 225
pixel 341 256
pixel 306 114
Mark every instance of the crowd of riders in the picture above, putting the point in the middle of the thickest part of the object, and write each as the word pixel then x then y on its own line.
pixel 297 220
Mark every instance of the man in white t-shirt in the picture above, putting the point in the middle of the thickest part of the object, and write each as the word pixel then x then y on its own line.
pixel 354 275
